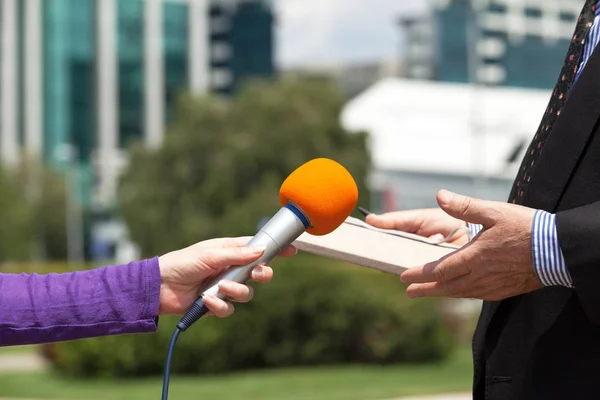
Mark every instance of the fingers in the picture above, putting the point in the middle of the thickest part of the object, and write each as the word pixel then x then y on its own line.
pixel 235 242
pixel 224 242
pixel 431 289
pixel 289 251
pixel 236 292
pixel 241 293
pixel 468 209
pixel 462 287
pixel 437 237
pixel 227 243
pixel 448 268
pixel 219 258
pixel 407 221
pixel 217 307
pixel 262 274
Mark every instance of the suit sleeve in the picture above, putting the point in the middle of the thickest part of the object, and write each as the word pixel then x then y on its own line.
pixel 59 307
pixel 579 237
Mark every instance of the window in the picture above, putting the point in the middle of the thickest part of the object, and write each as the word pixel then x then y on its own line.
pixel 533 12
pixel 497 8
pixel 175 29
pixel 130 38
pixel 567 16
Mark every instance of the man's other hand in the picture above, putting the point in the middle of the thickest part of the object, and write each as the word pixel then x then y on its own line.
pixel 494 265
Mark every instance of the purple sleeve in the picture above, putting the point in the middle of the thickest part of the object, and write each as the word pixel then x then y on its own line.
pixel 60 307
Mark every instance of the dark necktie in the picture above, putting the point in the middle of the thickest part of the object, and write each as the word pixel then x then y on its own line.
pixel 557 101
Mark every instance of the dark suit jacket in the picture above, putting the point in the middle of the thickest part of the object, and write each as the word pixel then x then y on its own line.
pixel 546 344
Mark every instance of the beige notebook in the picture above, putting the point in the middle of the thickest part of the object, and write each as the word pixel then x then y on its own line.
pixel 361 244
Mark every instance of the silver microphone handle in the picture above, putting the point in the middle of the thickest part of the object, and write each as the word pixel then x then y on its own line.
pixel 277 234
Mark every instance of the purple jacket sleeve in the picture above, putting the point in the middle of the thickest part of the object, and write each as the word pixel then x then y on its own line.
pixel 60 307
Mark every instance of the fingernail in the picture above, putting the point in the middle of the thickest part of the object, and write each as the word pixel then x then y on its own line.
pixel 225 285
pixel 445 197
pixel 255 249
pixel 208 297
pixel 257 273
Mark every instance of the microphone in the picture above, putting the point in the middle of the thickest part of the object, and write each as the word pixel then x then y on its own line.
pixel 316 198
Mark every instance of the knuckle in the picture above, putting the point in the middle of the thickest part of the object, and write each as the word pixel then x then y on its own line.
pixel 465 205
pixel 496 214
pixel 439 273
pixel 448 289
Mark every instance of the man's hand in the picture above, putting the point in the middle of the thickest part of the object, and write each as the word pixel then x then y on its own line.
pixel 495 265
pixel 432 223
pixel 183 272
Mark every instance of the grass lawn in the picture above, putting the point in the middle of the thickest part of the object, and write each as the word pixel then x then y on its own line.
pixel 17 350
pixel 327 383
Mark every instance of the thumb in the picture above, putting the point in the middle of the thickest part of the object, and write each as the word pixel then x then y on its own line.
pixel 220 258
pixel 466 208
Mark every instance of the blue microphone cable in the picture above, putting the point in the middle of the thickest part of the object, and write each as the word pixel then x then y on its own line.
pixel 196 311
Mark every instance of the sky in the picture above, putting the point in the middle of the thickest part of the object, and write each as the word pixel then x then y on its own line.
pixel 329 32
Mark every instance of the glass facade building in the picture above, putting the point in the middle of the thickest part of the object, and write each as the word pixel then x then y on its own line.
pixel 130 49
pixel 97 75
pixel 495 42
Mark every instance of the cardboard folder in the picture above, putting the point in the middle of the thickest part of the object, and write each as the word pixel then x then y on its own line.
pixel 385 250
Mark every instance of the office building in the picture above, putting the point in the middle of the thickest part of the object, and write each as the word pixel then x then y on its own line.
pixel 352 79
pixel 82 79
pixel 494 42
pixel 416 152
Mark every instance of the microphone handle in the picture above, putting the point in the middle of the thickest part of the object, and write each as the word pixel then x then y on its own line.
pixel 277 234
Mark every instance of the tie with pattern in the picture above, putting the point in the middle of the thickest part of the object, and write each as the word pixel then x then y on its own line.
pixel 557 101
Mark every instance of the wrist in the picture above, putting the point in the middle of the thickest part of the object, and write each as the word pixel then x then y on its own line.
pixel 163 262
pixel 548 261
pixel 152 285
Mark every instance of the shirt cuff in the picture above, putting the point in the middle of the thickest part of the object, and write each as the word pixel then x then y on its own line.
pixel 474 229
pixel 548 261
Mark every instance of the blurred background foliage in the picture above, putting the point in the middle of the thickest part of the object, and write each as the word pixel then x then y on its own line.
pixel 218 174
pixel 33 223
pixel 222 164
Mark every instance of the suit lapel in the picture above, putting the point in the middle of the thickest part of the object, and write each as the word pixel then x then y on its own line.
pixel 567 140
pixel 561 153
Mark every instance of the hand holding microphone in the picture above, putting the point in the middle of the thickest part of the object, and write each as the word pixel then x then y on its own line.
pixel 183 272
pixel 316 198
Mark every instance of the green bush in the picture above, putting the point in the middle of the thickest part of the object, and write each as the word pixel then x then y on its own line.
pixel 39 267
pixel 220 167
pixel 314 312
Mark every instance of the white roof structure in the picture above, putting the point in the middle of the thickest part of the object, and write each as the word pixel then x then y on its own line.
pixel 446 128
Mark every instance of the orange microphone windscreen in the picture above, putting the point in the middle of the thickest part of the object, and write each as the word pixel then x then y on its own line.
pixel 324 190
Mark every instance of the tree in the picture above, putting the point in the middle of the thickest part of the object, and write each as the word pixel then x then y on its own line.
pixel 43 189
pixel 221 164
pixel 17 216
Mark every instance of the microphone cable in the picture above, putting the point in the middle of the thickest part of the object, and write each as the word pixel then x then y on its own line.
pixel 196 311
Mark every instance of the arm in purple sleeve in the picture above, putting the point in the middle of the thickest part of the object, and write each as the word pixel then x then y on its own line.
pixel 60 307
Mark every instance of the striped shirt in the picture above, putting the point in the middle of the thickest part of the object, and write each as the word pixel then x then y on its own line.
pixel 548 260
